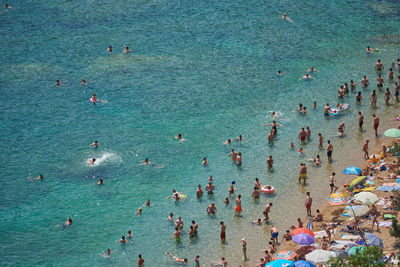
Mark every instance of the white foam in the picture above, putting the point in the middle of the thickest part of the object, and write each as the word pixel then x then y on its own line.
pixel 106 157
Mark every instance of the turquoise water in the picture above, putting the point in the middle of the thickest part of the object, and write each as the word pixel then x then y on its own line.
pixel 205 69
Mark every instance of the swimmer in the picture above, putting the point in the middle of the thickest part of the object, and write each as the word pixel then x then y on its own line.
pixel 210 188
pixel 58 83
pixel 305 110
pixel 68 222
pixel 177 235
pixel 303 173
pixel 179 260
pixel 279 73
pixel 147 203
pixel 199 192
pixel 285 17
pixel 314 105
pixel 233 155
pixel 122 240
pixel 40 177
pixel 312 69
pixel 300 151
pixel 379 81
pixel 388 95
pixel 226 201
pixel 346 89
pixel 239 159
pixel 109 49
pixel 273 113
pixel 273 124
pixel 92 161
pixel 258 221
pixel 94 99
pixel 170 218
pixel 238 208
pixel 211 209
pixel 358 98
pixel 255 193
pixel 300 108
pixel 340 92
pixel 223 233
pixel 231 189
pixel 390 74
pixel 100 182
pixel 139 212
pixel 317 161
pixel 129 234
pixel 308 132
pixel 320 140
pixel 179 223
pixel 353 85
pixel 195 227
pixel 84 81
pixel 306 77
pixel 340 106
pixel 326 110
pixel 341 128
pixel 180 138
pixel 379 65
pixel 126 50
pixel 364 82
pixel 204 162
pixel 227 142
pixel 270 162
pixel 107 253
pixel 291 145
pixel 373 98
pixel 240 138
pixel 95 144
pixel 370 50
pixel 140 261
pixel 302 135
pixel 210 179
pixel 222 263
pixel 145 162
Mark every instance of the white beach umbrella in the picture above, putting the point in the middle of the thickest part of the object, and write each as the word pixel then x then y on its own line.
pixel 366 198
pixel 357 211
pixel 320 256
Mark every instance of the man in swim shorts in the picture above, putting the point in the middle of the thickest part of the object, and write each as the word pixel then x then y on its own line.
pixel 365 149
pixel 326 110
pixel 302 135
pixel 211 209
pixel 267 210
pixel 329 150
pixel 274 234
pixel 303 173
pixel 332 184
pixel 360 120
pixel 270 162
pixel 238 208
pixel 379 65
pixel 177 235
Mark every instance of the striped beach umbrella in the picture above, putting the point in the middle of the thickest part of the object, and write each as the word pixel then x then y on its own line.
pixel 336 199
pixel 356 181
pixel 285 255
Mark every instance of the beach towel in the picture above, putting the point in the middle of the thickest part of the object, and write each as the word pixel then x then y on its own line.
pixel 319 234
pixel 370 182
pixel 364 189
pixel 385 224
pixel 354 237
pixel 389 184
pixel 380 202
pixel 388 188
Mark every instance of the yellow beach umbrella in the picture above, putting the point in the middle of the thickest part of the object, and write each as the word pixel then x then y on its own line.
pixel 356 181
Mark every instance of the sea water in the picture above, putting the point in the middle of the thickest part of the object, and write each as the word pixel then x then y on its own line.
pixel 206 69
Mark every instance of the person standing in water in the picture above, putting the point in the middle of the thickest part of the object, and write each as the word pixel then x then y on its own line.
pixel 303 173
pixel 270 162
pixel 365 149
pixel 244 248
pixel 332 184
pixel 360 120
pixel 238 208
pixel 308 203
pixel 329 151
pixel 376 124
pixel 326 110
pixel 223 234
pixel 321 141
pixel 364 82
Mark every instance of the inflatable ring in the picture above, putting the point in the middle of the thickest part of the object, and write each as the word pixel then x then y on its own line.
pixel 265 189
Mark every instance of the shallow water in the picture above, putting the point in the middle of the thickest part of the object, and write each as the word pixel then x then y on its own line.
pixel 205 69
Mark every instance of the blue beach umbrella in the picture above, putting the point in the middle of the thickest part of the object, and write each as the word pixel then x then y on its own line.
pixel 352 170
pixel 280 263
pixel 303 263
pixel 372 239
pixel 303 239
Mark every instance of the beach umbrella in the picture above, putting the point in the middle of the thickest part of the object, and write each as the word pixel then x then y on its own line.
pixel 303 239
pixel 303 263
pixel 356 181
pixel 356 250
pixel 395 133
pixel 302 231
pixel 366 198
pixel 286 255
pixel 280 263
pixel 372 239
pixel 357 211
pixel 336 199
pixel 352 170
pixel 320 256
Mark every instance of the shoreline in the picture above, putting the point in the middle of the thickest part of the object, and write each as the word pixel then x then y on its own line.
pixel 332 213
